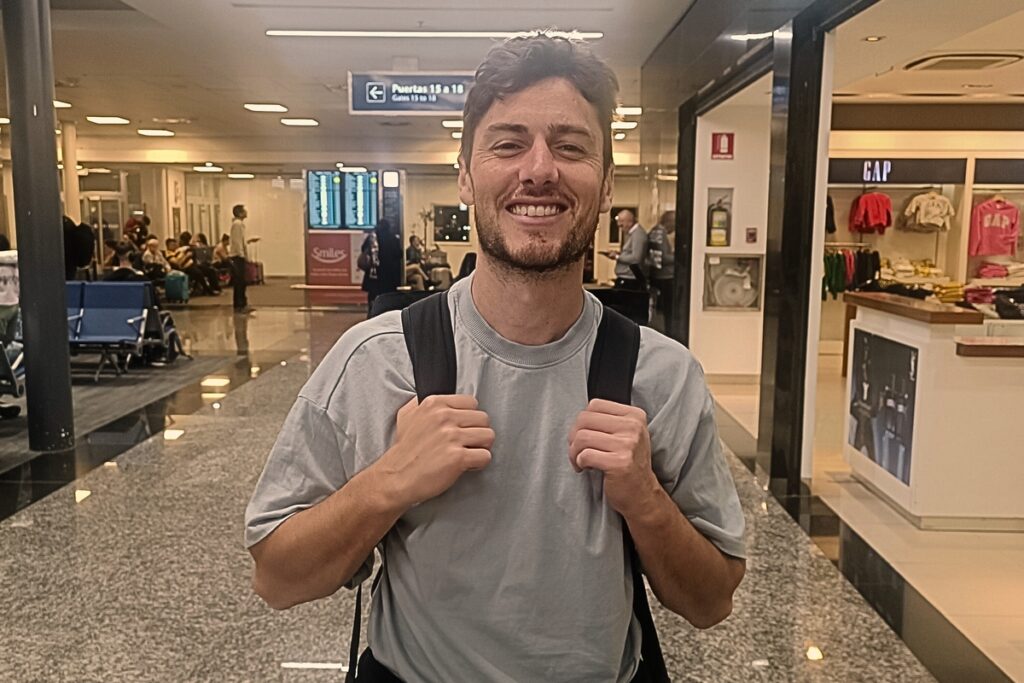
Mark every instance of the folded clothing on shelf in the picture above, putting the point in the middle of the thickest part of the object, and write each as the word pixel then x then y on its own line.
pixel 993 270
pixel 949 293
pixel 979 295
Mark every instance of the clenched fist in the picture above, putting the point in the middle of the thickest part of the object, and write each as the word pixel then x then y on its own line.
pixel 435 442
pixel 613 438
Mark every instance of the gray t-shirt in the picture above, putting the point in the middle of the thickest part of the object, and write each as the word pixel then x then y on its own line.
pixel 516 573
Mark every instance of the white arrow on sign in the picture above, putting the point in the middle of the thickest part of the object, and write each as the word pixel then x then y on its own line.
pixel 376 92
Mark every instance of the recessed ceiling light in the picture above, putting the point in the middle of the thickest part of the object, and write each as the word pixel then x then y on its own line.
pixel 59 104
pixel 620 136
pixel 873 39
pixel 269 106
pixel 156 132
pixel 340 165
pixel 108 120
pixel 624 125
pixel 457 134
pixel 452 123
pixel 354 169
pixel 455 165
pixel 577 35
pixel 241 176
pixel 300 122
pixel 207 168
pixel 629 111
pixel 4 120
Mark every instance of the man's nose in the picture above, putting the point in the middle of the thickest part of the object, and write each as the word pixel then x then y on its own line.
pixel 538 167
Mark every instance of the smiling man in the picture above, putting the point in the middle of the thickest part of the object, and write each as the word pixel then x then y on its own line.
pixel 500 511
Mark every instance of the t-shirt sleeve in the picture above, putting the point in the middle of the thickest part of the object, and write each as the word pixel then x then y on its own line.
pixel 686 451
pixel 305 466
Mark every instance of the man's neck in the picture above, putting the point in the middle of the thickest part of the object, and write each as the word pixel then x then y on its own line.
pixel 526 309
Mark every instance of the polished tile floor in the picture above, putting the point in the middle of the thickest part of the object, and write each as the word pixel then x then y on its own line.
pixel 973 579
pixel 135 570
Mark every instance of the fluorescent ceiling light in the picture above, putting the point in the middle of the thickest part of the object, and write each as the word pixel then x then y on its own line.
pixel 578 35
pixel 241 176
pixel 59 104
pixel 750 36
pixel 624 125
pixel 620 136
pixel 300 122
pixel 99 170
pixel 207 168
pixel 156 132
pixel 340 165
pixel 452 123
pixel 354 169
pixel 629 111
pixel 4 120
pixel 457 134
pixel 269 106
pixel 873 39
pixel 108 120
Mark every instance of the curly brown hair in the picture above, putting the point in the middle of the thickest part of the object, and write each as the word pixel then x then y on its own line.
pixel 521 61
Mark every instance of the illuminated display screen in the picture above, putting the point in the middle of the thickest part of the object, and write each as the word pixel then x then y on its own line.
pixel 360 200
pixel 323 190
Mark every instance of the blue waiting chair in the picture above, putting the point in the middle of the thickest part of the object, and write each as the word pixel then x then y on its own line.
pixel 73 292
pixel 112 322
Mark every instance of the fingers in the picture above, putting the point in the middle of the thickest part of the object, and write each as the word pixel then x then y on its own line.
pixel 593 459
pixel 474 459
pixel 601 406
pixel 601 422
pixel 457 401
pixel 476 437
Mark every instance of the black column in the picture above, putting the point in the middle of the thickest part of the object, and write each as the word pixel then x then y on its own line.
pixel 796 103
pixel 682 278
pixel 38 216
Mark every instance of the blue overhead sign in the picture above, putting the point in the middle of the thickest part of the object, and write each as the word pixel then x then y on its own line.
pixel 413 94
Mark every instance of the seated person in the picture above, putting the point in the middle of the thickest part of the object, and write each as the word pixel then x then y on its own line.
pixel 155 264
pixel 182 260
pixel 221 257
pixel 125 271
pixel 414 275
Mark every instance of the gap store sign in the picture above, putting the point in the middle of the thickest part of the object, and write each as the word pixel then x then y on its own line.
pixel 408 94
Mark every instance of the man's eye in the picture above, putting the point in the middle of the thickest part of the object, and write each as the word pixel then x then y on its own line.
pixel 506 146
pixel 573 149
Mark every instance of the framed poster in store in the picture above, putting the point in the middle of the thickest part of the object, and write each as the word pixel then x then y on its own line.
pixel 732 283
pixel 883 390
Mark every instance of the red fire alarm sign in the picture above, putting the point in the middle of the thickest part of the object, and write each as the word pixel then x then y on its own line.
pixel 723 145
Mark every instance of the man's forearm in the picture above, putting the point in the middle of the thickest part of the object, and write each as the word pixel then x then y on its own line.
pixel 315 552
pixel 688 574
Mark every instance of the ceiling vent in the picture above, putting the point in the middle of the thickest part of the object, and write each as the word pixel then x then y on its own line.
pixel 964 61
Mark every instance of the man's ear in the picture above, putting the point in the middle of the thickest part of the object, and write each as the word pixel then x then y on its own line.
pixel 606 189
pixel 465 184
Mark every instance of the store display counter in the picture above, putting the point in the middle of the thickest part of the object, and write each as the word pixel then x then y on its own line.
pixel 932 419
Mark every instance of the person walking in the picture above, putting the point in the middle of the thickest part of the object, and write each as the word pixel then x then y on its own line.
pixel 504 508
pixel 239 254
pixel 661 260
pixel 633 253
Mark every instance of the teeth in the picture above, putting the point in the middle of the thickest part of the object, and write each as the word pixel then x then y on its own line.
pixel 535 210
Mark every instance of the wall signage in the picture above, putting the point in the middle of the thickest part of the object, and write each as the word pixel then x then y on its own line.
pixel 407 94
pixel 999 172
pixel 881 171
pixel 723 145
pixel 329 258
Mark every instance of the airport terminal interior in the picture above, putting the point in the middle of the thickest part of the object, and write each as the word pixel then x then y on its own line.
pixel 826 187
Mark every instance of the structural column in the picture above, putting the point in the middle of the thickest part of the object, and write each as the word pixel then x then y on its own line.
pixel 69 156
pixel 27 46
pixel 796 102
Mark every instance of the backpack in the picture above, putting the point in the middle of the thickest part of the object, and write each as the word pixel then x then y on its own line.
pixel 427 326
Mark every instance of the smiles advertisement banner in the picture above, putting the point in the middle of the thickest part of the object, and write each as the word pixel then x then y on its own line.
pixel 329 259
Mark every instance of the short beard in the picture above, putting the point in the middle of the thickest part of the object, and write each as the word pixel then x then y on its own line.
pixel 536 260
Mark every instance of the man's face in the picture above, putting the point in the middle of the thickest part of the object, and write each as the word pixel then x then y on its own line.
pixel 536 177
pixel 624 219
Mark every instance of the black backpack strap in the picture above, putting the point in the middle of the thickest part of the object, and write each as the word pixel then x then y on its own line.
pixel 430 338
pixel 612 366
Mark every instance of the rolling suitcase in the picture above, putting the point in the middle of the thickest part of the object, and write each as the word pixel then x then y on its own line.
pixel 176 286
pixel 254 268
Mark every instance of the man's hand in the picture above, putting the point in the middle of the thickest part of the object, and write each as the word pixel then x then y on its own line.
pixel 613 438
pixel 435 443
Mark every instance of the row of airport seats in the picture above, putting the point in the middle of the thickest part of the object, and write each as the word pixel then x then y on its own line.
pixel 120 322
